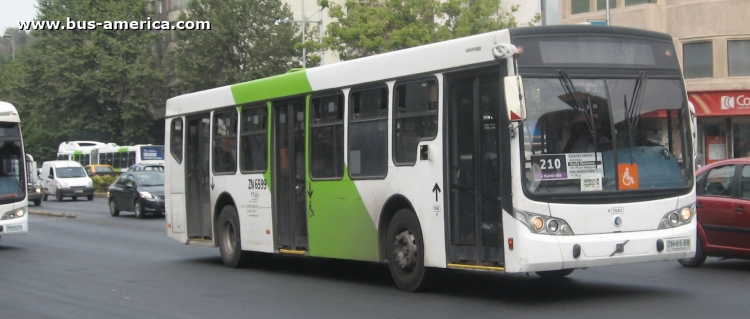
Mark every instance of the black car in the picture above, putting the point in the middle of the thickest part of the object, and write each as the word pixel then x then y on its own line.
pixel 145 167
pixel 141 192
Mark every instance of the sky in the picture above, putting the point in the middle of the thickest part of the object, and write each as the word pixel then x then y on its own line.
pixel 12 11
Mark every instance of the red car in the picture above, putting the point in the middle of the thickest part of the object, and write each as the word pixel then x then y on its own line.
pixel 723 203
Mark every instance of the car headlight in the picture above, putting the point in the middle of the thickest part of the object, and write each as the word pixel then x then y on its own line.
pixel 540 224
pixel 16 213
pixel 38 190
pixel 146 195
pixel 62 185
pixel 677 217
pixel 90 184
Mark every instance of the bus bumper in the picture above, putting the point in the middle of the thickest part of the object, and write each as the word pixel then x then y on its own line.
pixel 534 252
pixel 15 226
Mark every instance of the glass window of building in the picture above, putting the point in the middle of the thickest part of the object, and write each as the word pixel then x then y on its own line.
pixel 738 56
pixel 579 6
pixel 637 2
pixel 697 59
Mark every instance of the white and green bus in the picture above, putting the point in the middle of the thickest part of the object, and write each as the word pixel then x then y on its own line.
pixel 14 208
pixel 119 157
pixel 80 151
pixel 449 155
pixel 122 157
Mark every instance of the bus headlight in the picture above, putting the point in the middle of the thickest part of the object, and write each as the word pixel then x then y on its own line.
pixel 16 213
pixel 686 214
pixel 541 224
pixel 537 223
pixel 677 217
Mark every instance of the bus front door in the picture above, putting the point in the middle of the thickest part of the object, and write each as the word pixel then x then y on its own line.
pixel 473 144
pixel 197 179
pixel 289 175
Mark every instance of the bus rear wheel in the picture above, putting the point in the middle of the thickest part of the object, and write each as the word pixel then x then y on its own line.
pixel 230 245
pixel 405 251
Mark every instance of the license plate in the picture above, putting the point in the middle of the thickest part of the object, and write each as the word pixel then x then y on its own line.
pixel 78 191
pixel 678 244
pixel 13 228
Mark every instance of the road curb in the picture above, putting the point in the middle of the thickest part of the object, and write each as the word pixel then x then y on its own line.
pixel 53 214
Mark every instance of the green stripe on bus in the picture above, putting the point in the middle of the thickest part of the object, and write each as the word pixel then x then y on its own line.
pixel 122 149
pixel 78 152
pixel 283 85
pixel 338 223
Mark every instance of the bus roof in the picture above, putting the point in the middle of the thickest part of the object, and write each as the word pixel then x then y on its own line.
pixel 447 55
pixel 8 113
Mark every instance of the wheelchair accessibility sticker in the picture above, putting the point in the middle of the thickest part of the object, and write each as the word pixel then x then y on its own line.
pixel 627 176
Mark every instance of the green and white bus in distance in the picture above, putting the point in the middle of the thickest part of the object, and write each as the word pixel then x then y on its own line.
pixel 14 208
pixel 80 151
pixel 448 155
pixel 122 157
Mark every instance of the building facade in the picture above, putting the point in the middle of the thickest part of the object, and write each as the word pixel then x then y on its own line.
pixel 712 40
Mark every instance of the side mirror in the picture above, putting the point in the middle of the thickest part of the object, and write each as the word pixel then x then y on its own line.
pixel 129 184
pixel 514 99
pixel 50 176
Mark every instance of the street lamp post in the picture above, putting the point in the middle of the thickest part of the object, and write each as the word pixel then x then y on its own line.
pixel 12 46
pixel 304 23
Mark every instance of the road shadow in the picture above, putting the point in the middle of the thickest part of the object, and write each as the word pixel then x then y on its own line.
pixel 517 288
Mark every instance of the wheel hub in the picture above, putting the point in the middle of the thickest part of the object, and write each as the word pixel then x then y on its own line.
pixel 405 250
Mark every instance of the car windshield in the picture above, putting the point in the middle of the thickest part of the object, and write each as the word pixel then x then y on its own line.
pixel 103 169
pixel 150 179
pixel 70 172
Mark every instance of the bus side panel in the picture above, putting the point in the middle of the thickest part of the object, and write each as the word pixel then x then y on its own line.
pixel 339 224
pixel 252 199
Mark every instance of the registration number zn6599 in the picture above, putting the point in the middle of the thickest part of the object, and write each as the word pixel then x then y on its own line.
pixel 678 244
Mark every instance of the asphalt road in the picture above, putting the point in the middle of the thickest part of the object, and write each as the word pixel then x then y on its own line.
pixel 98 266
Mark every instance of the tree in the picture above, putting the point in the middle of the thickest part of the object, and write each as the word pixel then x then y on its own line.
pixel 98 84
pixel 11 46
pixel 244 43
pixel 368 27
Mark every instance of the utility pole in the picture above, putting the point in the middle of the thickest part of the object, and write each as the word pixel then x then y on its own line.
pixel 12 46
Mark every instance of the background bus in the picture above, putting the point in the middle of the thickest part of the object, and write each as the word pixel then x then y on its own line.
pixel 448 155
pixel 13 198
pixel 80 151
pixel 120 157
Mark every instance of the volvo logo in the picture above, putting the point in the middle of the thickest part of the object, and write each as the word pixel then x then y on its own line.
pixel 618 221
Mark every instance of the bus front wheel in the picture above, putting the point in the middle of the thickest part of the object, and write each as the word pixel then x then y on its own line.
pixel 230 246
pixel 405 251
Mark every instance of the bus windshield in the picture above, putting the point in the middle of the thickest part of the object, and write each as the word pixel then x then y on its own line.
pixel 605 135
pixel 12 172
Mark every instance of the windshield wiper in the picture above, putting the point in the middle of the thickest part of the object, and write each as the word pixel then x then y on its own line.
pixel 633 111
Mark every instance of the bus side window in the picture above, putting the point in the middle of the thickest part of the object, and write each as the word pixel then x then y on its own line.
pixel 415 118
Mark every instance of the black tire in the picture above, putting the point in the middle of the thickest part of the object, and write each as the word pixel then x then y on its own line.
pixel 555 274
pixel 700 256
pixel 44 197
pixel 229 240
pixel 113 209
pixel 138 210
pixel 90 197
pixel 405 251
pixel 37 202
pixel 59 196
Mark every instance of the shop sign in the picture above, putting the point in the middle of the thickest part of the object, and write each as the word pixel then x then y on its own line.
pixel 721 103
